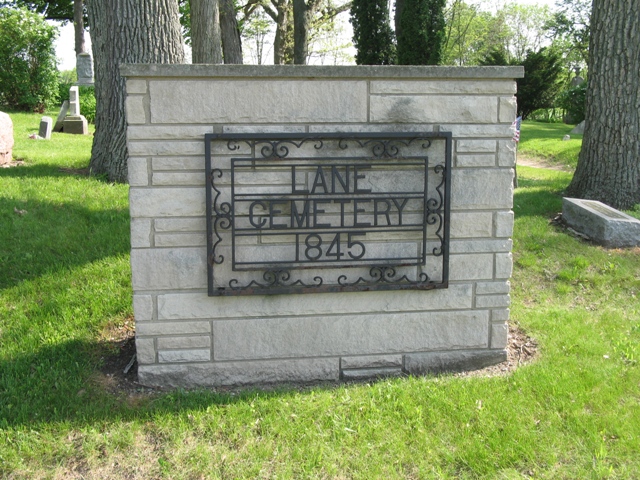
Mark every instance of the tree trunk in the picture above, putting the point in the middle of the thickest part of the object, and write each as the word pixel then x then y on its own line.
pixel 609 163
pixel 282 29
pixel 78 26
pixel 231 44
pixel 301 21
pixel 125 31
pixel 206 41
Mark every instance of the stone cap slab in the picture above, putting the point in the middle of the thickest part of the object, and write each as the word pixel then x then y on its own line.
pixel 603 224
pixel 317 71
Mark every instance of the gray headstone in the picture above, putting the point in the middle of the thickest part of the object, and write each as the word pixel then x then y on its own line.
pixel 46 125
pixel 84 68
pixel 601 223
pixel 6 138
pixel 566 138
pixel 74 101
pixel 579 129
pixel 76 124
pixel 577 81
pixel 63 113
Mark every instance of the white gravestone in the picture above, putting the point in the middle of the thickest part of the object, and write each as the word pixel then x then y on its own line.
pixel 74 101
pixel 46 125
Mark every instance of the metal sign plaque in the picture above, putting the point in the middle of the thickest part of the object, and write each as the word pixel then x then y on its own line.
pixel 302 213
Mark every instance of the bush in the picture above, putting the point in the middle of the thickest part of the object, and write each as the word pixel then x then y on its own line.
pixel 574 101
pixel 88 103
pixel 422 32
pixel 28 75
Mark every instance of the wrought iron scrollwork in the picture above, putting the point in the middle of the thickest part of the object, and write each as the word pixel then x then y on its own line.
pixel 382 148
pixel 274 278
pixel 338 244
pixel 385 274
pixel 223 217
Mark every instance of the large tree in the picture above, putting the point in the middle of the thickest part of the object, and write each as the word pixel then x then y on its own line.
pixel 125 31
pixel 609 163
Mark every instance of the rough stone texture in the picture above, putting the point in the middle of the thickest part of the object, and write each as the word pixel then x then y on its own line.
pixel 198 305
pixel 601 223
pixel 366 373
pixel 145 351
pixel 441 362
pixel 375 361
pixel 499 335
pixel 138 171
pixel 504 224
pixel 482 189
pixel 186 338
pixel 381 333
pixel 240 373
pixel 433 109
pixel 184 356
pixel 134 107
pixel 287 101
pixel 143 307
pixel 76 125
pixel 168 268
pixel 61 116
pixel 6 138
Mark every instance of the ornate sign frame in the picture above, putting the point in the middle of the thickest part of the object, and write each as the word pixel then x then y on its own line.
pixel 312 213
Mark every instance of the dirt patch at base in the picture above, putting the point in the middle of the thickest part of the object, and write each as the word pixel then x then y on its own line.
pixel 537 162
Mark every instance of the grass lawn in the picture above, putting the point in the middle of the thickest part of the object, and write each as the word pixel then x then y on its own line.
pixel 544 140
pixel 65 286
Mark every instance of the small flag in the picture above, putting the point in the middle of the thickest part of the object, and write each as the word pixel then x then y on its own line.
pixel 516 129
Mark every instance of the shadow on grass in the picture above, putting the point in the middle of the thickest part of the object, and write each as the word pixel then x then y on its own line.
pixel 64 383
pixel 44 236
pixel 539 196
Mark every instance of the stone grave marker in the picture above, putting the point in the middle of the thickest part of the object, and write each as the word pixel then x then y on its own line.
pixel 601 223
pixel 84 67
pixel 63 113
pixel 75 123
pixel 6 138
pixel 46 125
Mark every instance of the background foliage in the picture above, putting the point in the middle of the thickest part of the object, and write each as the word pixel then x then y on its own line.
pixel 28 70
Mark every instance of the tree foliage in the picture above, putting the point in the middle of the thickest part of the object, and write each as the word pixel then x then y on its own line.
pixel 28 70
pixel 571 27
pixel 541 83
pixel 372 34
pixel 422 32
pixel 60 10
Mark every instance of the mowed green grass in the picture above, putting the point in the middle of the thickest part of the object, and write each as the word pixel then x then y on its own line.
pixel 544 140
pixel 573 413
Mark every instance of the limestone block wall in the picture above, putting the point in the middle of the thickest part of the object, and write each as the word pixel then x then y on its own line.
pixel 186 338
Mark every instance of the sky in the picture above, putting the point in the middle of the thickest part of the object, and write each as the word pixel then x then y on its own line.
pixel 67 58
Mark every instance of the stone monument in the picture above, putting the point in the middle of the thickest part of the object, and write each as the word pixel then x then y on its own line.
pixel 84 68
pixel 75 123
pixel 6 138
pixel 295 224
pixel 61 116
